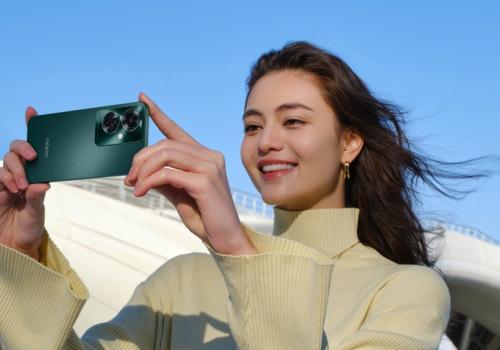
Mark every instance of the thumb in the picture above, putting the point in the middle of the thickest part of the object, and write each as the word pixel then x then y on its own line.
pixel 35 195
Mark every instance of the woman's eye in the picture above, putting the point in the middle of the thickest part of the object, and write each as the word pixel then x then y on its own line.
pixel 295 120
pixel 252 127
pixel 249 128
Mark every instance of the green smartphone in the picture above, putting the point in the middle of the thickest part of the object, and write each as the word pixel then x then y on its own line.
pixel 86 143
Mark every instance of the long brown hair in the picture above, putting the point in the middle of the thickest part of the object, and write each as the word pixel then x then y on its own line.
pixel 383 177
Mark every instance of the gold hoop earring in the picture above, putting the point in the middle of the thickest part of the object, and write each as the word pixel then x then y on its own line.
pixel 346 170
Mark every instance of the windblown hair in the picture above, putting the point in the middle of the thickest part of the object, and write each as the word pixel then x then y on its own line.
pixel 383 177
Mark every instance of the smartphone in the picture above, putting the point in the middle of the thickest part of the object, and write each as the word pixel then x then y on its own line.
pixel 86 143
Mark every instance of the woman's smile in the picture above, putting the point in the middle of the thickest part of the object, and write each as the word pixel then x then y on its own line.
pixel 277 173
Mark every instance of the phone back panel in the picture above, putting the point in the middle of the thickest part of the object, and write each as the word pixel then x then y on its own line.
pixel 73 145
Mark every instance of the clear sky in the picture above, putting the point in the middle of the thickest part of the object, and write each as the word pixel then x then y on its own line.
pixel 439 60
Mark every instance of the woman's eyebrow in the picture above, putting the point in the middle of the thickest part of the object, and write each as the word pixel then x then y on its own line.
pixel 284 106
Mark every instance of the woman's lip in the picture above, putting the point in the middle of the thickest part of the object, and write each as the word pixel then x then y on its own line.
pixel 277 174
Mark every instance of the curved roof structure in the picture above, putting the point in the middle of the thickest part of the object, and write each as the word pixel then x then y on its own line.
pixel 471 264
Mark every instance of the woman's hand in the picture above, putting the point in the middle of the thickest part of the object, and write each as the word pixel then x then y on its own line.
pixel 194 180
pixel 22 212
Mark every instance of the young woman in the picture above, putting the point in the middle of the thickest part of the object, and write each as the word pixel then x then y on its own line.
pixel 347 266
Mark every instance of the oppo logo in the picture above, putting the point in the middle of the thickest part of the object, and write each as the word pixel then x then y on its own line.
pixel 46 147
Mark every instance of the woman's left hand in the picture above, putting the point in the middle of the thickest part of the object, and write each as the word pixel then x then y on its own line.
pixel 193 178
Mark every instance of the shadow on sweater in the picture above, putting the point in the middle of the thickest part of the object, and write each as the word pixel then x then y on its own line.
pixel 143 328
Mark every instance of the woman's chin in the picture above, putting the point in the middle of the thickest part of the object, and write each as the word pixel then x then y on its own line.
pixel 271 200
pixel 281 201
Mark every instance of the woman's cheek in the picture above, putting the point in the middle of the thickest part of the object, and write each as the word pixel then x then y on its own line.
pixel 246 155
pixel 318 151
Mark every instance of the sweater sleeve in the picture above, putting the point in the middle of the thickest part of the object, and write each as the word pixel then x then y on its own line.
pixel 411 311
pixel 272 293
pixel 40 303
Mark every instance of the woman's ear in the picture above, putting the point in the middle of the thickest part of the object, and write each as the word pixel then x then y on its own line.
pixel 352 143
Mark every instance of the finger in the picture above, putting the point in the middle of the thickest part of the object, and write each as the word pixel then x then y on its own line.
pixel 166 125
pixel 7 181
pixel 23 149
pixel 14 165
pixel 165 176
pixel 169 192
pixel 176 159
pixel 29 113
pixel 146 153
pixel 35 195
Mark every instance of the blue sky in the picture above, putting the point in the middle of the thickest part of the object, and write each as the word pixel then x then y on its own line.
pixel 439 60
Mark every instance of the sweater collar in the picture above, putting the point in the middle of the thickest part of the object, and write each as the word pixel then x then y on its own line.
pixel 329 230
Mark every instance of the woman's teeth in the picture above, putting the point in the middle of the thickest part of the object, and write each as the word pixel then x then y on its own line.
pixel 275 167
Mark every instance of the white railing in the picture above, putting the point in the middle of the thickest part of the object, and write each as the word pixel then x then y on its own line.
pixel 464 230
pixel 244 201
pixel 251 202
pixel 115 188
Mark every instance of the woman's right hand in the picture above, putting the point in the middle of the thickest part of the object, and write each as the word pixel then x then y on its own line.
pixel 22 212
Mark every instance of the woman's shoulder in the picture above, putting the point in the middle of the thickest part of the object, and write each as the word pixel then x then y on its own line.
pixel 408 282
pixel 415 286
pixel 422 279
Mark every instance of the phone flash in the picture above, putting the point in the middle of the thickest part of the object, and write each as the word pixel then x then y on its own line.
pixel 120 136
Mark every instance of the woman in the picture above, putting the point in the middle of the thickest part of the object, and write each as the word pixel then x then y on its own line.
pixel 320 148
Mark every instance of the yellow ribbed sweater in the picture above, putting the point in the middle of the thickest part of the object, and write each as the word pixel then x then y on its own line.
pixel 312 285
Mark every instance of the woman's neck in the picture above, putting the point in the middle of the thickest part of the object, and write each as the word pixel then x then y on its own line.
pixel 329 230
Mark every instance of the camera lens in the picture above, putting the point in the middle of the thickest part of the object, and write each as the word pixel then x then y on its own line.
pixel 110 122
pixel 131 119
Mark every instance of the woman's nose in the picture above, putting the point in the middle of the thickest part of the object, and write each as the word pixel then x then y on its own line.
pixel 271 139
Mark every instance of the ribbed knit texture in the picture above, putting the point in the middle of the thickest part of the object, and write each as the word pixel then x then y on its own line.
pixel 312 285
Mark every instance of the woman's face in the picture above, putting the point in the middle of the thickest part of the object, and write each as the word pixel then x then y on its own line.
pixel 306 136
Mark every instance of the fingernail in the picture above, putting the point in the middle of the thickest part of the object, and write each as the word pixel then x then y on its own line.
pixel 30 153
pixel 14 186
pixel 23 182
pixel 131 176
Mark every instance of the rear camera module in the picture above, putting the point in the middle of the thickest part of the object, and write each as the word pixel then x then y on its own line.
pixel 131 119
pixel 110 122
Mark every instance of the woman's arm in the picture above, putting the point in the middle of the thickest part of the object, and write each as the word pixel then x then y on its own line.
pixel 411 312
pixel 277 297
pixel 40 304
